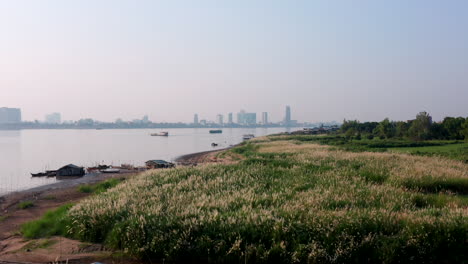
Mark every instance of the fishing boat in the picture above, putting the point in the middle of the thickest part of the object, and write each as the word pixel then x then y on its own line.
pixel 40 174
pixel 216 131
pixel 160 134
pixel 248 136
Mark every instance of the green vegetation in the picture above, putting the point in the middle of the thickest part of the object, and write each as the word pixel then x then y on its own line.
pixel 452 149
pixel 25 205
pixel 53 223
pixel 3 218
pixel 289 200
pixel 99 187
pixel 421 128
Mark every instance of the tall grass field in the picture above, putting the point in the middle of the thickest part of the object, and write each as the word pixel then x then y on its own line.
pixel 288 201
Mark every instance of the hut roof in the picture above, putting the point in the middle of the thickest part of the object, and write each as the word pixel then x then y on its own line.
pixel 71 166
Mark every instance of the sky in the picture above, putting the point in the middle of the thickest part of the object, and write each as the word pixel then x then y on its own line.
pixel 328 60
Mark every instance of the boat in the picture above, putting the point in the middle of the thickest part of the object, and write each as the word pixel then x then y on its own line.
pixel 216 131
pixel 40 174
pixel 214 144
pixel 51 173
pixel 161 134
pixel 110 170
pixel 248 136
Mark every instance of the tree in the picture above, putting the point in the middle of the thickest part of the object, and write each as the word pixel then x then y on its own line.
pixel 421 126
pixel 464 130
pixel 386 128
pixel 453 127
pixel 401 129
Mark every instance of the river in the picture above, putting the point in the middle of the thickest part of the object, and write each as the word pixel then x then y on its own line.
pixel 26 151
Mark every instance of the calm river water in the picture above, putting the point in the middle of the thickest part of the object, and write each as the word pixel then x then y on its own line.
pixel 26 151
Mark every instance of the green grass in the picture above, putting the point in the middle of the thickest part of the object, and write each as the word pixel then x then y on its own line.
pixel 54 222
pixel 3 218
pixel 25 204
pixel 99 187
pixel 288 203
pixel 452 149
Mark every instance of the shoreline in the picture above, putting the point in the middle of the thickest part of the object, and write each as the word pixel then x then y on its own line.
pixel 51 196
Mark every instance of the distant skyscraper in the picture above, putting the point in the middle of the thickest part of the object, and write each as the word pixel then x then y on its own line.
pixel 219 119
pixel 195 119
pixel 230 118
pixel 265 118
pixel 145 119
pixel 244 118
pixel 10 115
pixel 54 118
pixel 287 117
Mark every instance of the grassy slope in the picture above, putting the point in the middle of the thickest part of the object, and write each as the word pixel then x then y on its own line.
pixel 288 201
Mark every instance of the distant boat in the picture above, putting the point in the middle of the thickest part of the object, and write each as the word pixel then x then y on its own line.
pixel 248 136
pixel 214 144
pixel 161 134
pixel 40 174
pixel 110 170
pixel 216 131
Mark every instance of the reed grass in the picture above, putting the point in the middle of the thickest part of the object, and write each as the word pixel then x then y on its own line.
pixel 288 202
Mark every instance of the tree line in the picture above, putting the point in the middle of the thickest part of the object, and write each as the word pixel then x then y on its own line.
pixel 421 128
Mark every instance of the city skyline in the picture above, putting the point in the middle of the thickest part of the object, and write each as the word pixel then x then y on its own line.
pixel 167 59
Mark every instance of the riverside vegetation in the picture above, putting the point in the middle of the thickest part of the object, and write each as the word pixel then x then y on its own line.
pixel 287 199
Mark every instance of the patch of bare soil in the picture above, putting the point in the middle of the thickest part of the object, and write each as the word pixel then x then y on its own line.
pixel 16 249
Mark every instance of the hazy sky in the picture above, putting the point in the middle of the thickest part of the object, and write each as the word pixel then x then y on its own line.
pixel 170 59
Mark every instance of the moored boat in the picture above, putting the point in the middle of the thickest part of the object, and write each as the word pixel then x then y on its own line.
pixel 161 134
pixel 216 131
pixel 248 136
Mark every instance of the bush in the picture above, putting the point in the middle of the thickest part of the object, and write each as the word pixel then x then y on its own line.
pixel 25 205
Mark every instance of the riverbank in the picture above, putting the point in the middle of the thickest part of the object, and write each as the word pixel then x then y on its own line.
pixel 14 248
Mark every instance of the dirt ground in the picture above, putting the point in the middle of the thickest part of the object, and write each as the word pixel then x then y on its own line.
pixel 16 249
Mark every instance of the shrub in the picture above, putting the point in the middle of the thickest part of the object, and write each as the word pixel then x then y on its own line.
pixel 25 205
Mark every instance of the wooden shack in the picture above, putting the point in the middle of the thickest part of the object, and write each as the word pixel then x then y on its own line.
pixel 158 164
pixel 71 170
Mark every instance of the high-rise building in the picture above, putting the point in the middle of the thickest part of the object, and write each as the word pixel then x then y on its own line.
pixel 54 118
pixel 264 118
pixel 287 117
pixel 195 119
pixel 10 115
pixel 220 119
pixel 145 119
pixel 230 118
pixel 244 118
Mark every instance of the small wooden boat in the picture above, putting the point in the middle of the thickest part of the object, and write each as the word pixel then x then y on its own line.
pixel 161 134
pixel 51 173
pixel 216 131
pixel 248 136
pixel 40 174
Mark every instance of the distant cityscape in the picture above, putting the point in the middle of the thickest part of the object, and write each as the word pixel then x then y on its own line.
pixel 11 118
